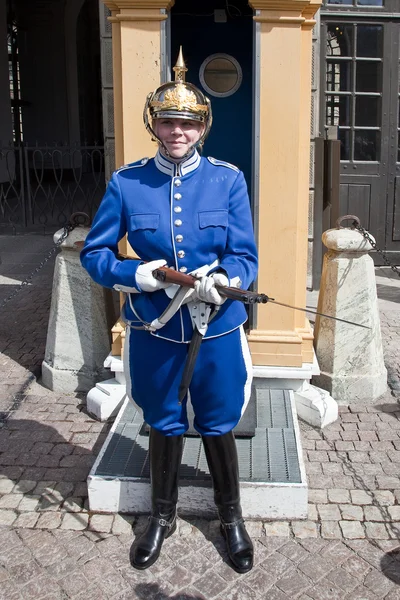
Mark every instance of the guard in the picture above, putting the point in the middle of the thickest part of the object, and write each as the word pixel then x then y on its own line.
pixel 192 214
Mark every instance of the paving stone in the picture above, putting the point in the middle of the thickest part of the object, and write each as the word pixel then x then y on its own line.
pixel 328 512
pixel 357 567
pixel 304 529
pixel 25 572
pixel 242 590
pixel 332 468
pixel 24 486
pixel 317 496
pixel 352 529
pixel 394 512
pixel 29 503
pixel 376 531
pixel 325 590
pixel 351 513
pixel 112 583
pixel 331 530
pixel 7 517
pixel 336 553
pixel 378 583
pixel 277 528
pixel 40 587
pixel 10 500
pixel 384 497
pixel 293 584
pixel 294 551
pixel 368 551
pixel 375 513
pixel 76 521
pixel 101 523
pixel 211 584
pixel 122 525
pixel 342 579
pixel 339 496
pixel 73 504
pixel 9 591
pixel 6 486
pixel 51 520
pixel 259 581
pixel 277 565
pixel 361 497
pixel 315 569
pixel 312 512
pixel 26 519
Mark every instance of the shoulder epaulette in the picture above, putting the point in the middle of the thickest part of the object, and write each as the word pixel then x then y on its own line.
pixel 222 163
pixel 134 165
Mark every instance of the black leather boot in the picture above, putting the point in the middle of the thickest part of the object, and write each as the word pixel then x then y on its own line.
pixel 165 454
pixel 222 461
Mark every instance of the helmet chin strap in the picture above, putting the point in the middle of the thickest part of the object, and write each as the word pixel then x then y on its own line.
pixel 196 146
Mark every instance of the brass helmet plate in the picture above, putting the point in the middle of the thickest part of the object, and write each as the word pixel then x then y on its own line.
pixel 178 100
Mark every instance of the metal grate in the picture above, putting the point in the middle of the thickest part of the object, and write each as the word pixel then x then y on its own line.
pixel 270 456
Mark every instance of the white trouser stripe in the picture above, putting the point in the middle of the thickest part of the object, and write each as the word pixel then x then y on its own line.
pixel 127 369
pixel 249 368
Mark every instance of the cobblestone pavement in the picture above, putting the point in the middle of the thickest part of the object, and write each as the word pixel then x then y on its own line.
pixel 53 547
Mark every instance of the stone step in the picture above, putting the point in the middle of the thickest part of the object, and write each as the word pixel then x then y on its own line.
pixel 272 474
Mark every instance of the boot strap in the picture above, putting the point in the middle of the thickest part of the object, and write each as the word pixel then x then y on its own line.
pixel 232 525
pixel 163 522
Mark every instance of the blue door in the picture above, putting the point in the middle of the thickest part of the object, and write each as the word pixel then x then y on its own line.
pixel 219 57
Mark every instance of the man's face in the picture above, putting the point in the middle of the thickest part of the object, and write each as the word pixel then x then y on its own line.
pixel 178 135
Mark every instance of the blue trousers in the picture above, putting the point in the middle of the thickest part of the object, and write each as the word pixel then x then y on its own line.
pixel 219 390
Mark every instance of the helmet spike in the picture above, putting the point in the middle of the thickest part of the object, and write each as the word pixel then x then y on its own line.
pixel 180 67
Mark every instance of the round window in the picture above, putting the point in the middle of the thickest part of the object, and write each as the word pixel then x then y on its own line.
pixel 220 75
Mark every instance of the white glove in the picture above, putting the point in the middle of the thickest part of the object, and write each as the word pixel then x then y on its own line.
pixel 206 290
pixel 144 276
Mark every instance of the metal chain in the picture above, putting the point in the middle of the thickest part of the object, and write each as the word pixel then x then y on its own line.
pixel 75 220
pixel 367 236
pixel 357 225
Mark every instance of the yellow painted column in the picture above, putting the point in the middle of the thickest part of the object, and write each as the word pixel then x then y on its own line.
pixel 140 66
pixel 283 337
pixel 136 36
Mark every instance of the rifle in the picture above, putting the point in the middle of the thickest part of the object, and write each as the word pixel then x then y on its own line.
pixel 171 276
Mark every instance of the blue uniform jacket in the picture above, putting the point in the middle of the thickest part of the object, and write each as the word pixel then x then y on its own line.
pixel 189 214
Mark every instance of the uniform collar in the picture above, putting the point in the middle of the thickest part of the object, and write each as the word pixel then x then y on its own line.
pixel 167 166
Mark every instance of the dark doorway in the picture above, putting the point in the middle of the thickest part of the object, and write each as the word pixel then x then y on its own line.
pixel 89 74
pixel 217 45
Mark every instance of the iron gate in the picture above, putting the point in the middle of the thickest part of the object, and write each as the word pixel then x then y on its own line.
pixel 41 186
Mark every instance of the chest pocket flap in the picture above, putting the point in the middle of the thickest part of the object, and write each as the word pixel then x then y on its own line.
pixel 144 221
pixel 213 218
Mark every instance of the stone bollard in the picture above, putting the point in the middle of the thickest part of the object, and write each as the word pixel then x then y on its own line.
pixel 350 357
pixel 78 337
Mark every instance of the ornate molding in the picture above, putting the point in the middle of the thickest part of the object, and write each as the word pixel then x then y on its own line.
pixel 142 4
pixel 281 20
pixel 111 5
pixel 296 12
pixel 142 17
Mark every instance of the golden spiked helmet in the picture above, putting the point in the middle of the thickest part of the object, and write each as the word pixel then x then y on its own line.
pixel 178 100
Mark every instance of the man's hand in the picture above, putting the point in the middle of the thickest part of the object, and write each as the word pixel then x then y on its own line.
pixel 144 276
pixel 206 290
